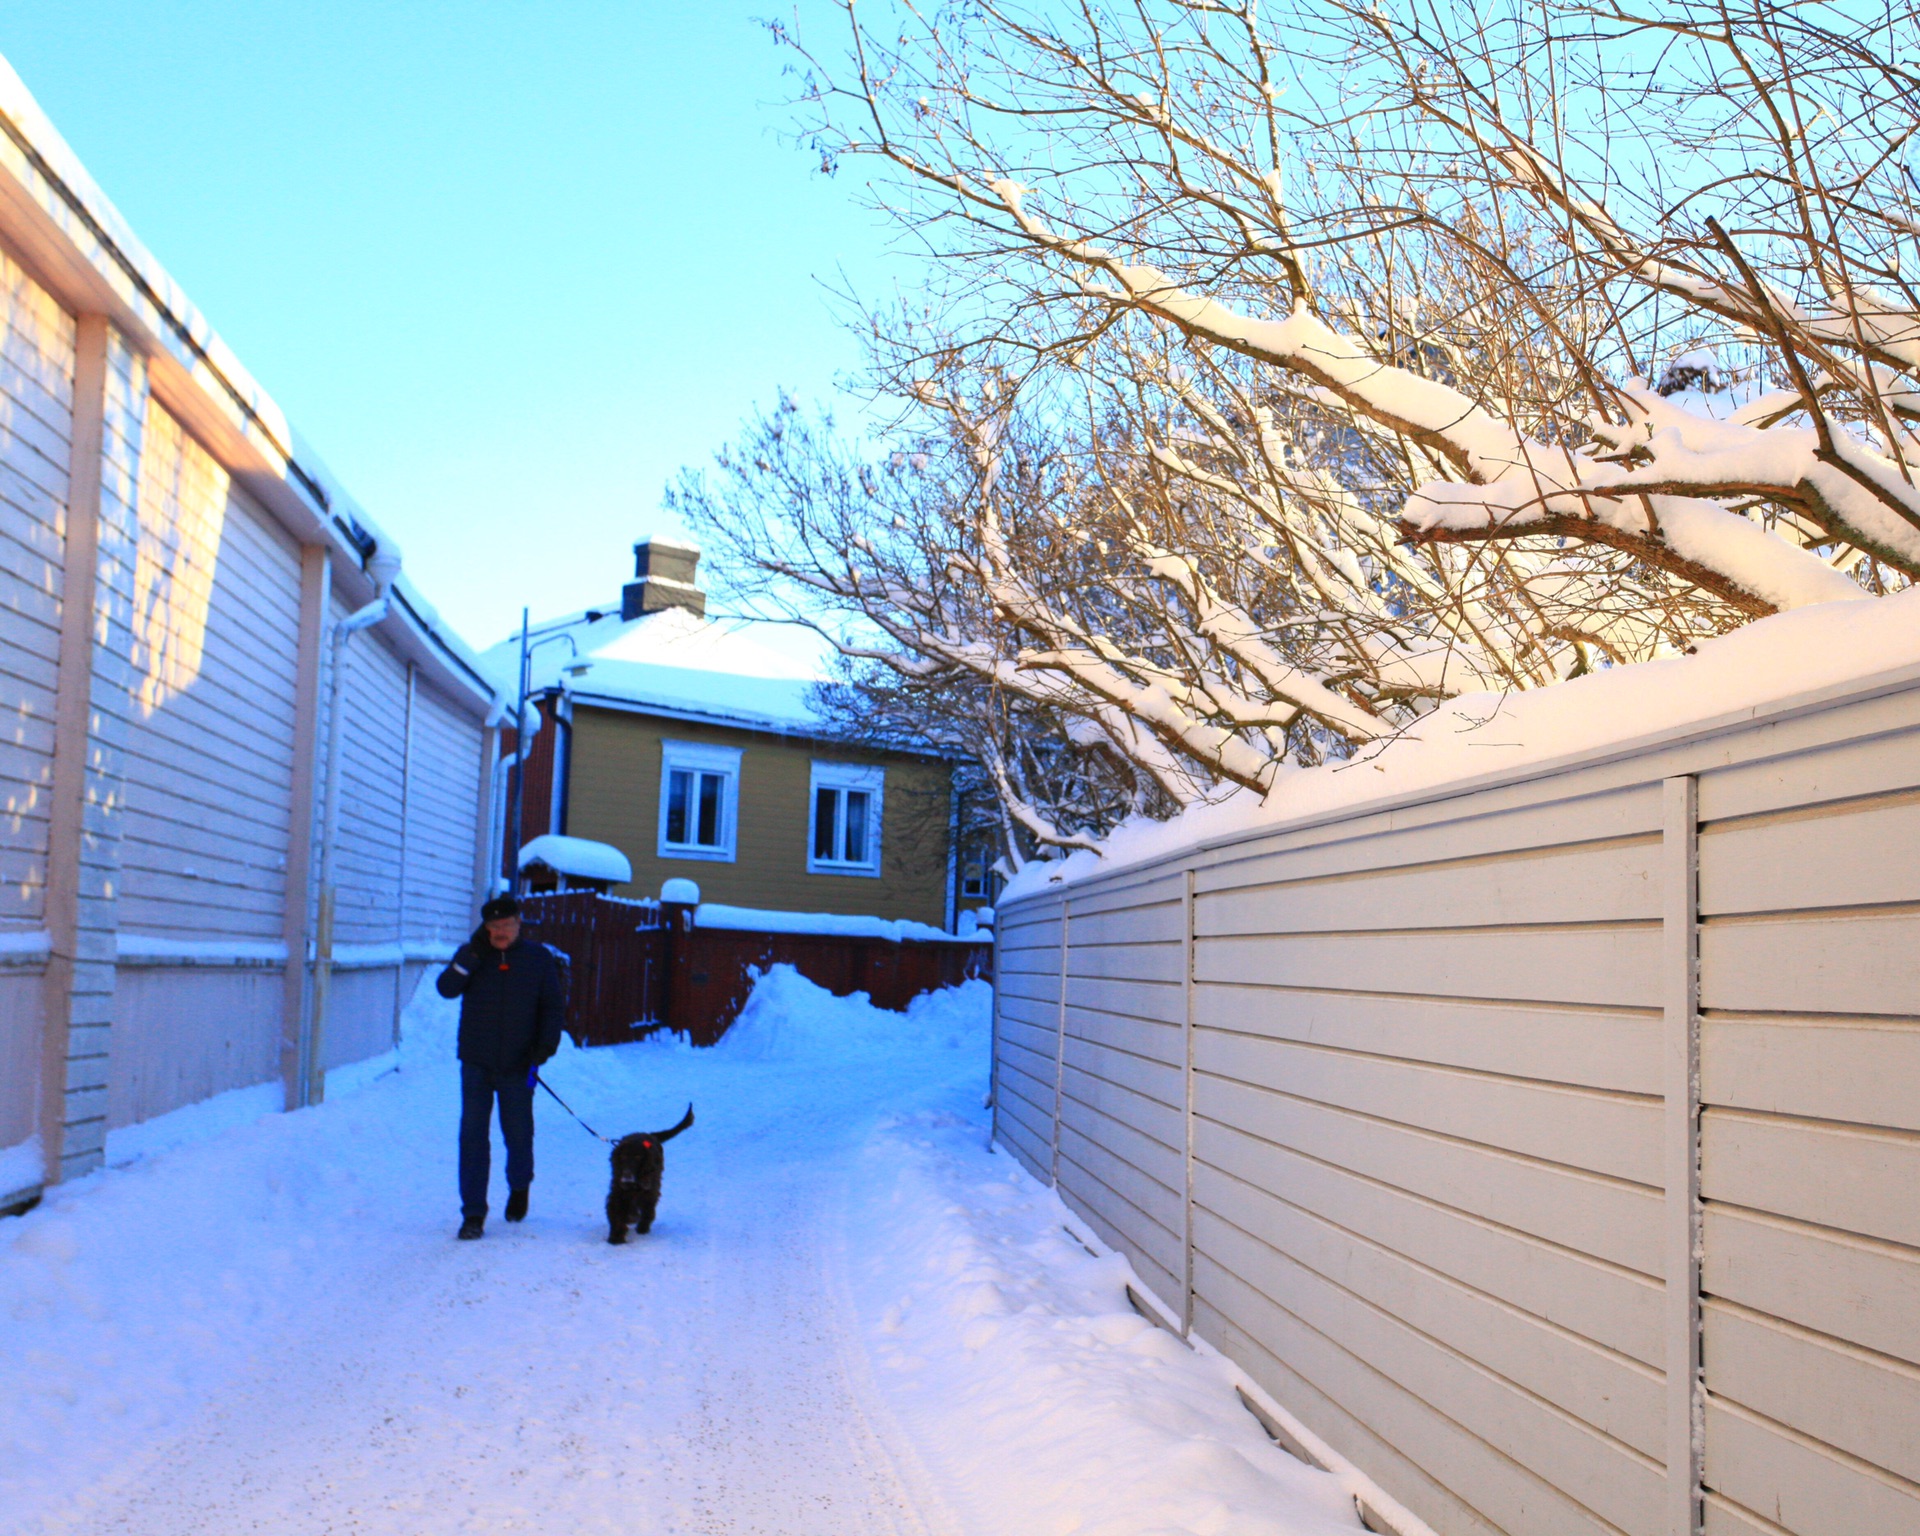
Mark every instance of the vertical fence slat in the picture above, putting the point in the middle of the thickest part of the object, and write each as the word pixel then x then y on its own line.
pixel 1680 1085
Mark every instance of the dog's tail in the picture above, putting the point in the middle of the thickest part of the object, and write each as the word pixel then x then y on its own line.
pixel 684 1123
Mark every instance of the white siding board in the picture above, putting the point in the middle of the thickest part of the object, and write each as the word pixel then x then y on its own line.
pixel 1606 1390
pixel 367 854
pixel 1472 825
pixel 209 747
pixel 1156 1080
pixel 1503 1437
pixel 1604 882
pixel 1159 1002
pixel 1123 1227
pixel 1864 1292
pixel 1599 1133
pixel 1850 1177
pixel 443 808
pixel 1605 1218
pixel 1884 761
pixel 1852 854
pixel 1141 925
pixel 1802 1485
pixel 1608 965
pixel 1865 1404
pixel 1140 1037
pixel 1081 1092
pixel 1150 1159
pixel 1105 1162
pixel 1612 1306
pixel 1378 1441
pixel 36 425
pixel 1833 962
pixel 1154 964
pixel 1866 1070
pixel 1611 1049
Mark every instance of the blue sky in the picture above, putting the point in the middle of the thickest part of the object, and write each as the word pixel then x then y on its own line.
pixel 507 265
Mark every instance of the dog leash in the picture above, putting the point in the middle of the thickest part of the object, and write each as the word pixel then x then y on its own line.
pixel 570 1110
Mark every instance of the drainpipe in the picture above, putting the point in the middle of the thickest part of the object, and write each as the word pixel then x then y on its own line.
pixel 383 566
pixel 500 811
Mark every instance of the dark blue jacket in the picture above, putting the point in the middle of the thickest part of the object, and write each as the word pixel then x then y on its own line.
pixel 512 1005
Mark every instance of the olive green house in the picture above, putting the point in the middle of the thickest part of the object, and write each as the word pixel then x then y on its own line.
pixel 689 744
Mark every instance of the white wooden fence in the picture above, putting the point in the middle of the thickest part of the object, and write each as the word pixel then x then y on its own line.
pixel 1551 1146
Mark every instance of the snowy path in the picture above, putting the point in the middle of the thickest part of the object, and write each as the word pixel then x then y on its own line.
pixel 274 1332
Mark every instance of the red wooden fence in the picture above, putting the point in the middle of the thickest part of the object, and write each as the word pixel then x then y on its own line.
pixel 635 967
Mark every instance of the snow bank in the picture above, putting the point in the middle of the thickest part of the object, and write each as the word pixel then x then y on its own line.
pixel 1040 1400
pixel 21 1165
pixel 194 1123
pixel 790 1019
pixel 1761 666
pixel 580 857
pixel 712 914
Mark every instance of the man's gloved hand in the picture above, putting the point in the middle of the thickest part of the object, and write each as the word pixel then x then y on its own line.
pixel 533 1076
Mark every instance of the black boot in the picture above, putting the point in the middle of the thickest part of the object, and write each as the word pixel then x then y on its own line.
pixel 472 1227
pixel 516 1205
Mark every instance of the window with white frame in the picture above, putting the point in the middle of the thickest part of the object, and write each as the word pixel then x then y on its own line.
pixel 699 800
pixel 844 835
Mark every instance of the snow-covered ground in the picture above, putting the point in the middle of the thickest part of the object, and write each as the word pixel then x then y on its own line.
pixel 851 1317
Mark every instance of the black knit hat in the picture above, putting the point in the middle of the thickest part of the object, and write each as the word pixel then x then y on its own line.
pixel 499 907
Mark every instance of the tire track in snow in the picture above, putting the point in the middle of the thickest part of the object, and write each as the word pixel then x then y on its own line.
pixel 706 1379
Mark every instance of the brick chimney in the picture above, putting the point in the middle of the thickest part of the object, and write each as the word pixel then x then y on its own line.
pixel 663 578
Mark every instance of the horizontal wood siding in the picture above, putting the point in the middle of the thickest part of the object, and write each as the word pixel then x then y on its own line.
pixel 209 761
pixel 1810 1141
pixel 36 424
pixel 1026 1030
pixel 372 759
pixel 182 1034
pixel 443 809
pixel 1426 1122
pixel 1420 1180
pixel 614 797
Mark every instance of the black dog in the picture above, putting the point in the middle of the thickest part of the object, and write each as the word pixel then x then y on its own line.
pixel 638 1161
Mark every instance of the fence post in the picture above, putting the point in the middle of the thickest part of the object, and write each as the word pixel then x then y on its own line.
pixel 1186 1032
pixel 676 960
pixel 1060 1040
pixel 1680 1152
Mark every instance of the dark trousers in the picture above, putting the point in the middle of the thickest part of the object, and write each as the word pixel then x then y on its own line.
pixel 478 1089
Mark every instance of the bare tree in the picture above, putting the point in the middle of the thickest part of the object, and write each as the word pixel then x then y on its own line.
pixel 1291 191
pixel 1290 375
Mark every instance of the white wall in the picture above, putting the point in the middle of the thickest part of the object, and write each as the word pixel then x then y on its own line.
pixel 1427 1190
pixel 36 410
pixel 208 778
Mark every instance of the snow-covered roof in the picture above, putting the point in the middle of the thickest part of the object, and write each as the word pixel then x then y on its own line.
pixel 211 390
pixel 580 857
pixel 730 670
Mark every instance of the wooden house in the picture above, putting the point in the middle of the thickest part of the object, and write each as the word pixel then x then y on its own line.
pixel 691 745
pixel 174 565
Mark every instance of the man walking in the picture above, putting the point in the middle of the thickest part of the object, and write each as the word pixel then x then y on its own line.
pixel 511 1007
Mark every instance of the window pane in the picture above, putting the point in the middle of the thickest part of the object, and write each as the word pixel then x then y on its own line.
pixel 856 849
pixel 711 785
pixel 826 804
pixel 679 789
